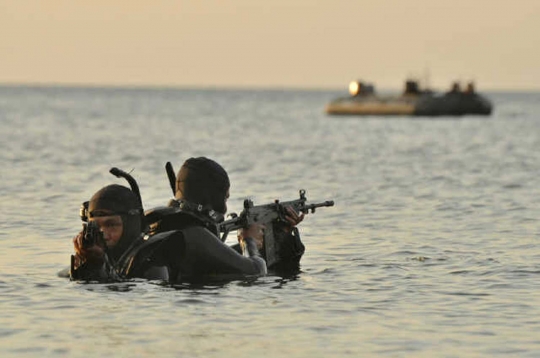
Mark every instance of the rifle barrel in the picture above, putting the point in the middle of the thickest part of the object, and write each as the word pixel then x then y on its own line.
pixel 312 207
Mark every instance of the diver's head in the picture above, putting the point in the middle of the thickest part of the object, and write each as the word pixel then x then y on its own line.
pixel 117 212
pixel 205 182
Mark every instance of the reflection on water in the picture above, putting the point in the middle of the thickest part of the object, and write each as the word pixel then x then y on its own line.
pixel 431 248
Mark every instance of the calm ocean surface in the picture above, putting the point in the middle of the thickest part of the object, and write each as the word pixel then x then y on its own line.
pixel 432 248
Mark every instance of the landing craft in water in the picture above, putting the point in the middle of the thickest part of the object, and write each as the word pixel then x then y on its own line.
pixel 412 102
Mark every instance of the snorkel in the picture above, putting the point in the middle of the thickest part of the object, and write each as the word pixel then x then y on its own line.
pixel 119 173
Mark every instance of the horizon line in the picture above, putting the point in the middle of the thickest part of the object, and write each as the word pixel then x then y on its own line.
pixel 148 86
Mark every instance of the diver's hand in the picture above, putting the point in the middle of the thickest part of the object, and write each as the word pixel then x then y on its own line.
pixel 93 255
pixel 255 231
pixel 291 219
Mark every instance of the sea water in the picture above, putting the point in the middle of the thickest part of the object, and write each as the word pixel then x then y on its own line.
pixel 431 250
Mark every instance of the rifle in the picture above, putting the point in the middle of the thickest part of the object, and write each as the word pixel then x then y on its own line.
pixel 92 235
pixel 267 214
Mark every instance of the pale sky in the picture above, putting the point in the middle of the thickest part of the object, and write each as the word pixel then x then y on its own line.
pixel 278 44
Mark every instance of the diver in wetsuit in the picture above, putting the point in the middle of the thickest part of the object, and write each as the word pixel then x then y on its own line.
pixel 201 192
pixel 189 253
pixel 116 212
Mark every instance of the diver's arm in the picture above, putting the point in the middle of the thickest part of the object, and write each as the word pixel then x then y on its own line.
pixel 86 271
pixel 90 263
pixel 236 247
pixel 207 254
pixel 250 249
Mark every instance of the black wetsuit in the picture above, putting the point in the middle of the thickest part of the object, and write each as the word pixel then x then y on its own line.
pixel 191 252
pixel 290 246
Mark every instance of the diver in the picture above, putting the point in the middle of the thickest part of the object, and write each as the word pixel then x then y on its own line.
pixel 122 250
pixel 116 213
pixel 201 190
